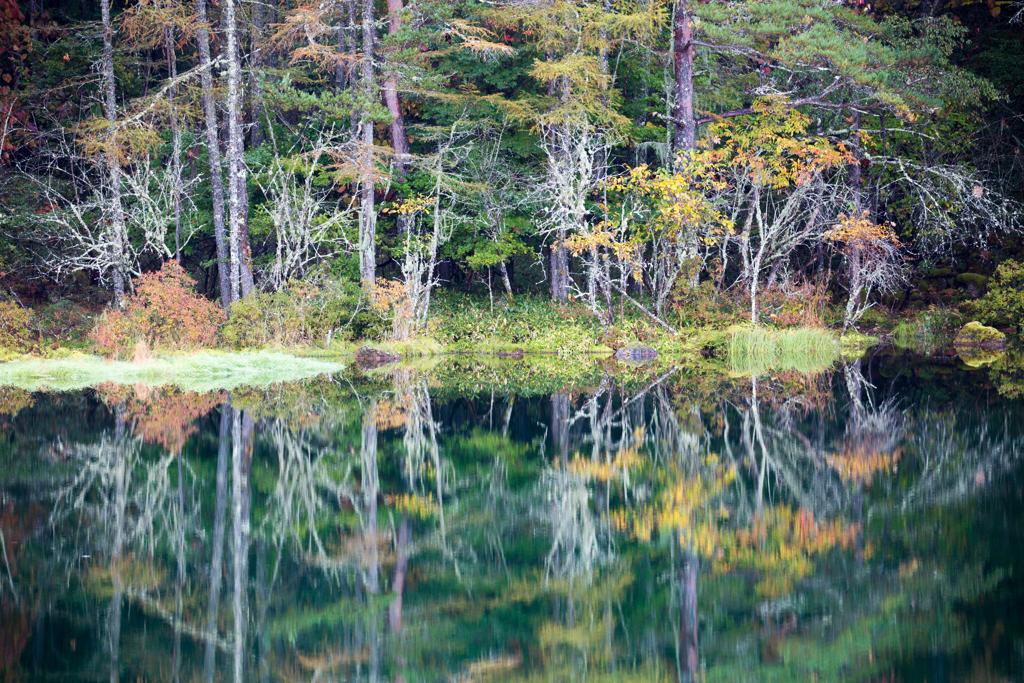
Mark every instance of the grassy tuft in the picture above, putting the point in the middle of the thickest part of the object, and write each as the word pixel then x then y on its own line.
pixel 200 372
pixel 757 351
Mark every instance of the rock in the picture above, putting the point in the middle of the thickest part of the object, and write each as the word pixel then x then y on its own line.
pixel 974 283
pixel 369 357
pixel 974 334
pixel 636 354
pixel 515 353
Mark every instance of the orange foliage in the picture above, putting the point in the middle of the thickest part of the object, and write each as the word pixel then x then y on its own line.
pixel 859 463
pixel 163 415
pixel 165 311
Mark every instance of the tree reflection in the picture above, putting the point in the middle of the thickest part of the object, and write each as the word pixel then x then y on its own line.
pixel 645 527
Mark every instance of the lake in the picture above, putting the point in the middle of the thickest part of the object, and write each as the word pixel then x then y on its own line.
pixel 476 519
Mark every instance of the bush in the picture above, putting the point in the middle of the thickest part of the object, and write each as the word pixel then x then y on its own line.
pixel 16 327
pixel 1004 303
pixel 164 313
pixel 301 313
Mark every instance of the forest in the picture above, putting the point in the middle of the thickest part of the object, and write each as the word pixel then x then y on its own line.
pixel 548 175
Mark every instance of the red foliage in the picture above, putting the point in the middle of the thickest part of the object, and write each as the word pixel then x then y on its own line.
pixel 165 312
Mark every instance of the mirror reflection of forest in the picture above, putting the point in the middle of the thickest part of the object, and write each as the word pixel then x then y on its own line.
pixel 436 525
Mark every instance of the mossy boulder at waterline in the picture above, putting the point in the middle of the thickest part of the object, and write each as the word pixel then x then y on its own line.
pixel 975 357
pixel 974 334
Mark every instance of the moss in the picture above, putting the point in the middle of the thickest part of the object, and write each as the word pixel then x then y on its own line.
pixel 939 272
pixel 980 282
pixel 976 334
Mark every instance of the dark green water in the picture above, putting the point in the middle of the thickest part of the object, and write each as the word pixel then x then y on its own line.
pixel 481 522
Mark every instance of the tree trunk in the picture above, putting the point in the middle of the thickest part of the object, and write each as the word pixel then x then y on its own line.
pixel 256 68
pixel 854 176
pixel 559 268
pixel 117 237
pixel 238 198
pixel 399 139
pixel 172 73
pixel 684 137
pixel 213 150
pixel 367 217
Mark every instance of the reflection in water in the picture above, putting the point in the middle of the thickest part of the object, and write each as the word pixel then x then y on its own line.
pixel 649 526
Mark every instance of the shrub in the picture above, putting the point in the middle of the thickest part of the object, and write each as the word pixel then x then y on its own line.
pixel 705 306
pixel 1004 303
pixel 302 312
pixel 164 312
pixel 16 327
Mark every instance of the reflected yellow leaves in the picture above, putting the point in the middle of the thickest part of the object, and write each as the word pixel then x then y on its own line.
pixel 419 506
pixel 780 543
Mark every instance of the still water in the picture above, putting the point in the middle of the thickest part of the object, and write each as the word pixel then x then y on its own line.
pixel 504 521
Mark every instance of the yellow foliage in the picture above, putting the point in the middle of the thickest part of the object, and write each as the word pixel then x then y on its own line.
pixel 858 231
pixel 774 149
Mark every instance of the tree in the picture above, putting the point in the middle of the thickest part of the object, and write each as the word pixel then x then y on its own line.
pixel 212 133
pixel 112 213
pixel 238 194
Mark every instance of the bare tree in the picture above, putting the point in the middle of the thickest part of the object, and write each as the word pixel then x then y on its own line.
pixel 307 223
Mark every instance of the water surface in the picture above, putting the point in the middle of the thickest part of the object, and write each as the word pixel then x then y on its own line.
pixel 495 521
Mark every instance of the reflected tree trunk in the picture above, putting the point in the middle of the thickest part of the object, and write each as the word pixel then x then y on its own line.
pixel 120 503
pixel 370 489
pixel 241 462
pixel 689 654
pixel 560 427
pixel 217 552
pixel 398 581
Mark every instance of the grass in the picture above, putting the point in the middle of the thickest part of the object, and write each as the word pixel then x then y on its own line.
pixel 207 371
pixel 758 351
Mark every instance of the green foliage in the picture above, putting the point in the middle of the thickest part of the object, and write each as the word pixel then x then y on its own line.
pixel 301 313
pixel 1004 302
pixel 165 313
pixel 533 322
pixel 16 327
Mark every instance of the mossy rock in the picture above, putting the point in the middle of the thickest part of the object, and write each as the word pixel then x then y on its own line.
pixel 939 272
pixel 975 284
pixel 974 334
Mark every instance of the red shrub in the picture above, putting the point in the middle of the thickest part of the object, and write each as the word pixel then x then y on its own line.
pixel 165 312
